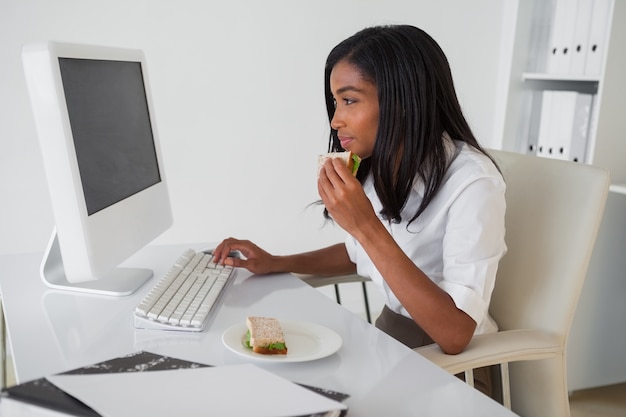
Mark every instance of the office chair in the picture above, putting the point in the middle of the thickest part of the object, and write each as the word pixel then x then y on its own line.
pixel 554 209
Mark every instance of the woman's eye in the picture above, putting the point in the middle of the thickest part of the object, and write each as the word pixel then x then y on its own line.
pixel 344 101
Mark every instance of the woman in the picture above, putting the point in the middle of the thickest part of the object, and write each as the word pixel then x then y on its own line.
pixel 425 215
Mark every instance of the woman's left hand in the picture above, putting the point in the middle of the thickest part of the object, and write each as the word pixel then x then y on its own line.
pixel 343 196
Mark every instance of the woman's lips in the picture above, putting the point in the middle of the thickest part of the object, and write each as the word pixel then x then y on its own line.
pixel 345 142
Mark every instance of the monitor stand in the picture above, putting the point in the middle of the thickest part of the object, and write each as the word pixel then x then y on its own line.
pixel 118 282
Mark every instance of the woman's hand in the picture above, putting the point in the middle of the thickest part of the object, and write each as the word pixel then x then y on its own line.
pixel 343 196
pixel 255 259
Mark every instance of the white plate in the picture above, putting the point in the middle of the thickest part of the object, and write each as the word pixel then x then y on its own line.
pixel 305 342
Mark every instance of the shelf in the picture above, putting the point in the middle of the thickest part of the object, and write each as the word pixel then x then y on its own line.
pixel 564 82
pixel 559 77
pixel 618 188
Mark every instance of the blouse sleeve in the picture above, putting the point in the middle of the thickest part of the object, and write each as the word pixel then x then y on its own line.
pixel 474 244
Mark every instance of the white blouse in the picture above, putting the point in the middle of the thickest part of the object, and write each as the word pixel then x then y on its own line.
pixel 457 241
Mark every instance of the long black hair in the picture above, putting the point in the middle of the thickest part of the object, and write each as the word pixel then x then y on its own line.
pixel 417 104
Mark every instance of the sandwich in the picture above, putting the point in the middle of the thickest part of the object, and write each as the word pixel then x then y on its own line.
pixel 352 160
pixel 265 336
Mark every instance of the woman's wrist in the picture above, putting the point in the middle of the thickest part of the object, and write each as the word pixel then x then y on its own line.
pixel 370 231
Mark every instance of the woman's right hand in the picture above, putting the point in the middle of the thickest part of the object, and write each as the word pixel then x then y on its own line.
pixel 344 198
pixel 254 259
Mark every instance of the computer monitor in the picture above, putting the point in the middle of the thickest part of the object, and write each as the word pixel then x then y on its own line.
pixel 94 117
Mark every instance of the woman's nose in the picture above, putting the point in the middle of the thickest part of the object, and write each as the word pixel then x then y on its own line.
pixel 337 121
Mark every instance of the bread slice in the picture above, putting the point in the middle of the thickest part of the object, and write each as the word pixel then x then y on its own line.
pixel 352 160
pixel 266 336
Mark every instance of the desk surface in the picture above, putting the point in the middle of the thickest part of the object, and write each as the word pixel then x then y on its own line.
pixel 52 331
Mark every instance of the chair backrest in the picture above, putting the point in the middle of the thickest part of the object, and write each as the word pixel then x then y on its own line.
pixel 554 209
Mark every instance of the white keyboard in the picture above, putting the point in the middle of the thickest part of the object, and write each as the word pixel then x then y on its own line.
pixel 186 296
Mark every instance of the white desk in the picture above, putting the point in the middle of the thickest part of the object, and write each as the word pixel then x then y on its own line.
pixel 51 331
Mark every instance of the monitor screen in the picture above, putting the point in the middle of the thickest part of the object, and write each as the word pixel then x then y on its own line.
pixel 95 123
pixel 110 122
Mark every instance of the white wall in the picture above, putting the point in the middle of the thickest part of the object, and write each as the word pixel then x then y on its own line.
pixel 240 80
